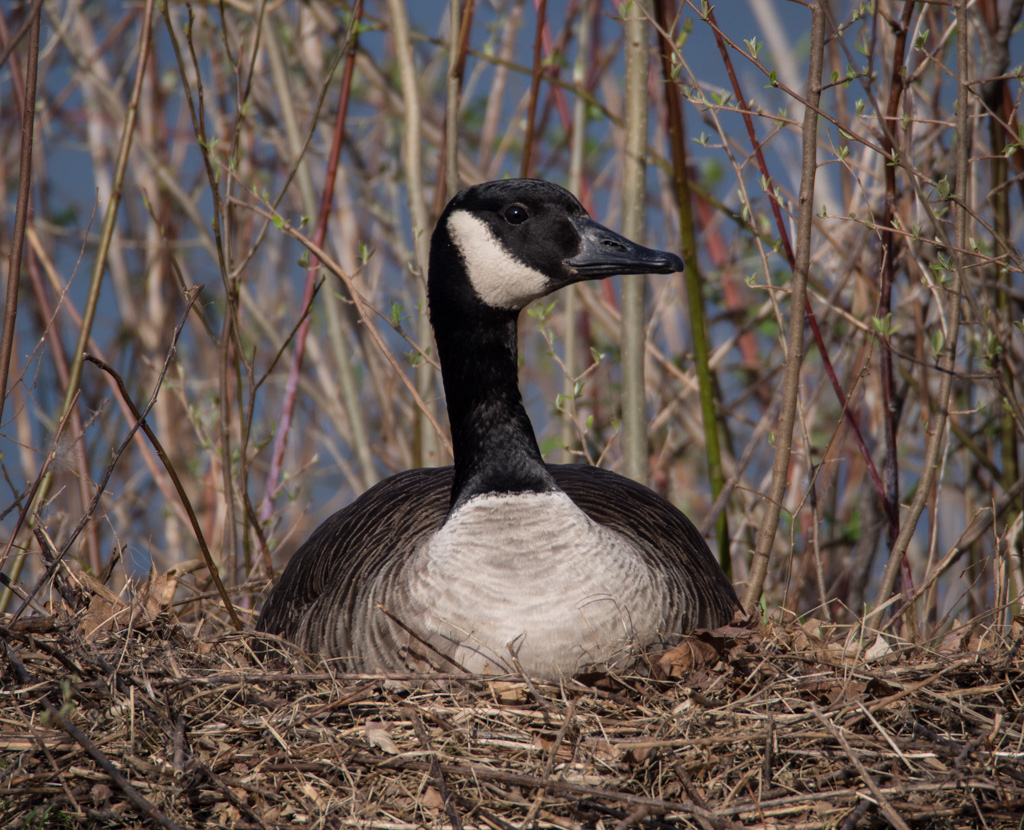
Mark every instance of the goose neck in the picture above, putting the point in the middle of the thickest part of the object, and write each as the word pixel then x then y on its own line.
pixel 493 440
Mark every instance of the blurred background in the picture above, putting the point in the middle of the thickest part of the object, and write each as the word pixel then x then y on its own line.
pixel 183 156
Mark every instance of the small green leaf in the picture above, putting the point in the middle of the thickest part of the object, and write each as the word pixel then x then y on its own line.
pixel 884 325
pixel 396 313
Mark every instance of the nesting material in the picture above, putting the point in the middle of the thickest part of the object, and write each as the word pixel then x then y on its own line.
pixel 141 722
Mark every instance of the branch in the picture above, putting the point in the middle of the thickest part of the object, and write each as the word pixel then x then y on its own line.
pixel 798 300
pixel 947 360
pixel 28 121
pixel 166 461
pixel 634 189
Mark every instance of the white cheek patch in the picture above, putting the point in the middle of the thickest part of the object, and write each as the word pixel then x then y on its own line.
pixel 499 279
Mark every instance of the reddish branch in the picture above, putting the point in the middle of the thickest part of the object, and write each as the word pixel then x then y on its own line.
pixel 890 509
pixel 326 199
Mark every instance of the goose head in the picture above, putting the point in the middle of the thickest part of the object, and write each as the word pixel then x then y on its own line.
pixel 496 248
pixel 501 245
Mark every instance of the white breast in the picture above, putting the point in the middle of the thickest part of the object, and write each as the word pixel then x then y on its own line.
pixel 579 597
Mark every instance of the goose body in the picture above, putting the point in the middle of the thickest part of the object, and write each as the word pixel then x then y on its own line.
pixel 562 567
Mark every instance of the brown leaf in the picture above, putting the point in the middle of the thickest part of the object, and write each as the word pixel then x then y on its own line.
pixel 508 693
pixel 808 635
pixel 100 794
pixel 378 734
pixel 432 800
pixel 155 596
pixel 691 654
pixel 99 618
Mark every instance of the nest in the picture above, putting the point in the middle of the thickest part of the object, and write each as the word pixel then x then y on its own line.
pixel 142 721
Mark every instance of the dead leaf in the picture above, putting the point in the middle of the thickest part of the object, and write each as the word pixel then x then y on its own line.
pixel 155 596
pixel 878 650
pixel 99 618
pixel 311 793
pixel 808 635
pixel 1017 625
pixel 605 751
pixel 432 800
pixel 378 734
pixel 101 794
pixel 691 654
pixel 508 693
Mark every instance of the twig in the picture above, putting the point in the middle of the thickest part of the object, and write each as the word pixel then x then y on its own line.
pixel 364 315
pixel 694 282
pixel 526 168
pixel 947 360
pixel 416 636
pixel 107 232
pixel 102 484
pixel 435 769
pixel 781 226
pixel 635 817
pixel 25 516
pixel 26 26
pixel 883 802
pixel 359 439
pixel 635 454
pixel 570 296
pixel 134 796
pixel 458 43
pixel 211 566
pixel 794 354
pixel 425 445
pixel 228 338
pixel 713 820
pixel 889 254
pixel 28 121
pixel 535 781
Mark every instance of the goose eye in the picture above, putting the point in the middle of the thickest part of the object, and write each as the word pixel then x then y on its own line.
pixel 516 215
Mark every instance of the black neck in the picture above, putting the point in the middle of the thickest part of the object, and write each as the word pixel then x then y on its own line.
pixel 495 448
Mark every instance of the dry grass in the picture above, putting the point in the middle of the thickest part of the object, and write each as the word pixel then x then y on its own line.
pixel 794 725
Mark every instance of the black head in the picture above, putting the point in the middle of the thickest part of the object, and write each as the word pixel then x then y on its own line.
pixel 506 243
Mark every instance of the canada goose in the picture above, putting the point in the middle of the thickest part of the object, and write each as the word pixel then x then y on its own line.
pixel 564 566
